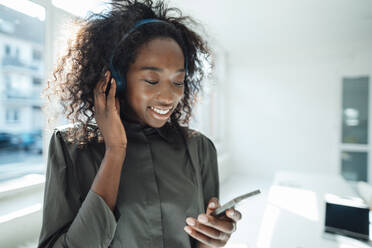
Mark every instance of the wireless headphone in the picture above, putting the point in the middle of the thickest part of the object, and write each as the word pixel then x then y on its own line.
pixel 118 76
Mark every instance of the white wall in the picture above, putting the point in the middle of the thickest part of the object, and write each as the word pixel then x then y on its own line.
pixel 285 108
pixel 286 60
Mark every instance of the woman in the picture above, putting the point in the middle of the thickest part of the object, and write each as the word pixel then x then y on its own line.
pixel 129 173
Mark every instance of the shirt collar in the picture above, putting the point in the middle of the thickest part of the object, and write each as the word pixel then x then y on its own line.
pixel 166 131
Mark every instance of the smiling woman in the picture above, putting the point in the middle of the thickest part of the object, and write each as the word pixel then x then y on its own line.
pixel 129 172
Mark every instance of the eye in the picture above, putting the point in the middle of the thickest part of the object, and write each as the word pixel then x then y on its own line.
pixel 179 84
pixel 151 82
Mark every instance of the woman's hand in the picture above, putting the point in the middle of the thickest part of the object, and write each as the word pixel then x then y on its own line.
pixel 107 115
pixel 213 231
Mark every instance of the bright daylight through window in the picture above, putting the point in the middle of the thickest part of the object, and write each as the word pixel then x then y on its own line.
pixel 22 29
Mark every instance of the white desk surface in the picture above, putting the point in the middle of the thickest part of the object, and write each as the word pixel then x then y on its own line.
pixel 295 208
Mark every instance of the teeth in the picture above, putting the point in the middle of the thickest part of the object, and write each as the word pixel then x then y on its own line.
pixel 160 111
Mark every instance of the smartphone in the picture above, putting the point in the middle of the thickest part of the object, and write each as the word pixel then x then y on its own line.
pixel 221 210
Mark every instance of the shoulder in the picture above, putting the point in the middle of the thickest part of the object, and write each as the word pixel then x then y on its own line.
pixel 62 139
pixel 68 133
pixel 194 137
pixel 59 144
pixel 62 131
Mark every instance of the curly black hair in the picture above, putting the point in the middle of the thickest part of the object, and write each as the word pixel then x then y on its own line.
pixel 87 59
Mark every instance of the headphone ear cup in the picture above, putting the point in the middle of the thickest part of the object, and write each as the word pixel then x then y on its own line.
pixel 121 84
pixel 118 79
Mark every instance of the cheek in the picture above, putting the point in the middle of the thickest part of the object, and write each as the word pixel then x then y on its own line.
pixel 180 94
pixel 139 101
pixel 135 95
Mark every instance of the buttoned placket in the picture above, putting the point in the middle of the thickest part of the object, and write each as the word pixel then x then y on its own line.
pixel 152 198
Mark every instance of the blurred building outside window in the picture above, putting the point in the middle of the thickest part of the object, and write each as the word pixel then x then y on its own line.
pixel 21 76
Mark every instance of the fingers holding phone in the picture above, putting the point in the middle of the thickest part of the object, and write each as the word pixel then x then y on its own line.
pixel 233 214
pixel 227 220
pixel 215 227
pixel 212 230
pixel 107 113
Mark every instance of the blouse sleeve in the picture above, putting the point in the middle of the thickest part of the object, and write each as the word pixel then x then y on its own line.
pixel 209 171
pixel 66 221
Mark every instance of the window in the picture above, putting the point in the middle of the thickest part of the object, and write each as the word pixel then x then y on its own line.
pixel 17 52
pixel 210 110
pixel 7 81
pixel 21 143
pixel 12 115
pixel 355 128
pixel 355 110
pixel 354 166
pixel 36 81
pixel 7 50
pixel 21 122
pixel 36 55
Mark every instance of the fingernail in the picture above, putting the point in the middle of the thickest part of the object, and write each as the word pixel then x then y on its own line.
pixel 187 229
pixel 212 205
pixel 202 219
pixel 231 213
pixel 190 221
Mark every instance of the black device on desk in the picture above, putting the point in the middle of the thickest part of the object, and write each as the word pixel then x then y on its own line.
pixel 346 216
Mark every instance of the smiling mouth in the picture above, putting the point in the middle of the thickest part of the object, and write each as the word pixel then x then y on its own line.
pixel 161 113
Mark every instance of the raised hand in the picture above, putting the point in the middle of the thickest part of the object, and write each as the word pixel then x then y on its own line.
pixel 107 115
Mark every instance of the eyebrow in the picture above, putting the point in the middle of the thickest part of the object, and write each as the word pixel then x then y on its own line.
pixel 152 68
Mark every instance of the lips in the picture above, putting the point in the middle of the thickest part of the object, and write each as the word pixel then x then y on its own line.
pixel 161 113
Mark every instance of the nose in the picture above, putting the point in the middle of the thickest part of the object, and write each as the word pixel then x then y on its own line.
pixel 167 94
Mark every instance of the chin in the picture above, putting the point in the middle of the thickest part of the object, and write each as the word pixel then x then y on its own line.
pixel 156 124
pixel 156 120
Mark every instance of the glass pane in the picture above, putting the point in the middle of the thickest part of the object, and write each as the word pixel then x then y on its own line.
pixel 21 76
pixel 81 8
pixel 354 166
pixel 355 110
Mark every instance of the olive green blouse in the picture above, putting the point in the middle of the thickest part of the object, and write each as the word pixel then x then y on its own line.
pixel 168 174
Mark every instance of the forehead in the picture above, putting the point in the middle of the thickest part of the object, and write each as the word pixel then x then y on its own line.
pixel 162 52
